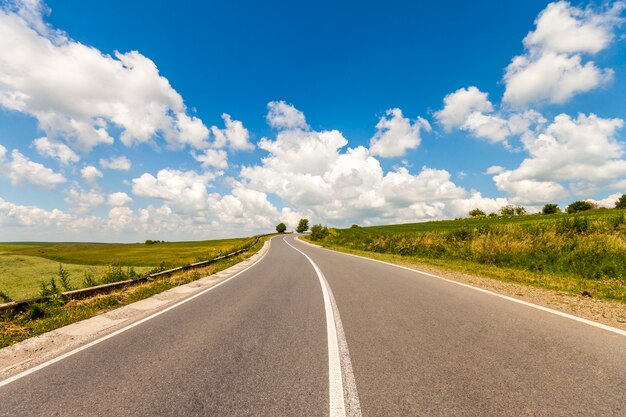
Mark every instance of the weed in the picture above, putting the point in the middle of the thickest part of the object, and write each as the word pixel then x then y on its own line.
pixel 89 280
pixel 36 311
pixel 49 288
pixel 4 297
pixel 56 299
pixel 64 278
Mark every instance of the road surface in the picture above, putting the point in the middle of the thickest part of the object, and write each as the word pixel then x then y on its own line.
pixel 310 332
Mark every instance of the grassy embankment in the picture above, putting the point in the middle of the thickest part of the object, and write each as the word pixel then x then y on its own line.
pixel 41 318
pixel 572 253
pixel 23 266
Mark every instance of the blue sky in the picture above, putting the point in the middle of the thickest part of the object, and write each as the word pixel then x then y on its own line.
pixel 123 121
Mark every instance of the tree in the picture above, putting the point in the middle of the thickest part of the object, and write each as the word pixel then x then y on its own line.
pixel 580 205
pixel 520 211
pixel 621 203
pixel 550 209
pixel 507 210
pixel 281 228
pixel 477 213
pixel 303 226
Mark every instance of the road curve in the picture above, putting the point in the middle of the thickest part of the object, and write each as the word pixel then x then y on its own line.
pixel 259 345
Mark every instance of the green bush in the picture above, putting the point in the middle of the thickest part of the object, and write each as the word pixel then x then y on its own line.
pixel 550 209
pixel 580 205
pixel 477 213
pixel 281 228
pixel 507 210
pixel 319 232
pixel 621 203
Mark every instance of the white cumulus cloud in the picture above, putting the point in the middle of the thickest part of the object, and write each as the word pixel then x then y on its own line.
pixel 234 135
pixel 56 150
pixel 285 116
pixel 396 134
pixel 312 173
pixel 119 163
pixel 460 104
pixel 212 158
pixel 553 69
pixel 119 199
pixel 80 94
pixel 469 109
pixel 583 151
pixel 186 190
pixel 84 201
pixel 20 170
pixel 90 173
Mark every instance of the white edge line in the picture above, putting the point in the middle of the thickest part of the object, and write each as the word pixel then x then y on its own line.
pixel 506 297
pixel 338 355
pixel 122 330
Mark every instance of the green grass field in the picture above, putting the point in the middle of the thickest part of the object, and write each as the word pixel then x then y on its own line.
pixel 23 266
pixel 41 318
pixel 574 253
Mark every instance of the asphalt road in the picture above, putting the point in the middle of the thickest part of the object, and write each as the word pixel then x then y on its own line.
pixel 377 341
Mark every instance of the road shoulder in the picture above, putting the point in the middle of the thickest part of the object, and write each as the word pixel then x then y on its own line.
pixel 610 313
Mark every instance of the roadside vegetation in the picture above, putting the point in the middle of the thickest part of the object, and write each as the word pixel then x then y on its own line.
pixel 583 252
pixel 26 267
pixel 43 317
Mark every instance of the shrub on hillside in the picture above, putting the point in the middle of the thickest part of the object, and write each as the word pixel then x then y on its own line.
pixel 319 232
pixel 621 203
pixel 550 209
pixel 477 213
pixel 507 210
pixel 580 205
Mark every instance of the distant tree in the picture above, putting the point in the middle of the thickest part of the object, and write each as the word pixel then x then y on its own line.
pixel 493 214
pixel 520 211
pixel 507 211
pixel 354 226
pixel 580 205
pixel 303 226
pixel 477 213
pixel 319 232
pixel 550 209
pixel 621 203
pixel 281 228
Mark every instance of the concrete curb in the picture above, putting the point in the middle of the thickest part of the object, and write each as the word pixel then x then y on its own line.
pixel 31 352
